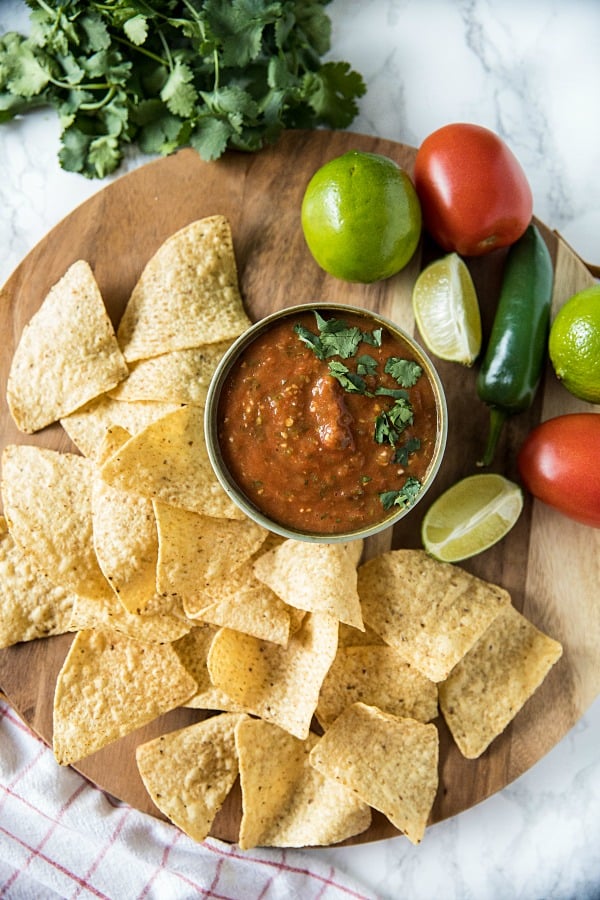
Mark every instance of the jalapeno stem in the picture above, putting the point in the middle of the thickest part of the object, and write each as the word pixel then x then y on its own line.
pixel 497 419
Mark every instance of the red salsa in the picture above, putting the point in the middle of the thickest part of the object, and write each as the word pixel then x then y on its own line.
pixel 327 424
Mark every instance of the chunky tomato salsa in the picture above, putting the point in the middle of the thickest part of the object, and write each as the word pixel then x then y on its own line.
pixel 326 423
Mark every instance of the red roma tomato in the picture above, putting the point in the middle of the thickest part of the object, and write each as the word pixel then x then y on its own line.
pixel 474 194
pixel 559 463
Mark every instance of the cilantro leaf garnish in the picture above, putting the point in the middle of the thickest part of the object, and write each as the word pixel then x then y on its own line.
pixel 312 340
pixel 205 74
pixel 396 393
pixel 390 423
pixel 373 337
pixel 337 338
pixel 350 381
pixel 366 365
pixel 404 371
pixel 404 497
pixel 342 342
pixel 402 453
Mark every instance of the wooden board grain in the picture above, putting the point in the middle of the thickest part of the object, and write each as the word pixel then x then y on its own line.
pixel 550 565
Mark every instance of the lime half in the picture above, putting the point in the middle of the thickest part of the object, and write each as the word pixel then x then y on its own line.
pixel 446 310
pixel 472 515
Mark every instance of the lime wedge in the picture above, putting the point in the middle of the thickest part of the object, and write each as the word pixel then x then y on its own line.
pixel 472 515
pixel 446 310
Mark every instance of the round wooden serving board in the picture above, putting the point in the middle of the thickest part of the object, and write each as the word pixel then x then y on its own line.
pixel 550 565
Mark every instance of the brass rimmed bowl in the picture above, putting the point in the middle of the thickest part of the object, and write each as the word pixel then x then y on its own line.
pixel 214 419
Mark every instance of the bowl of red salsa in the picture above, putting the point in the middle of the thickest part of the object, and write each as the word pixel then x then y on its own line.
pixel 325 423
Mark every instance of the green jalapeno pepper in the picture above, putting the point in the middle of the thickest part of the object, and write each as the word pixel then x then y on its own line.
pixel 512 367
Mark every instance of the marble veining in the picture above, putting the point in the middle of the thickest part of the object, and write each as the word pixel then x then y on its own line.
pixel 529 69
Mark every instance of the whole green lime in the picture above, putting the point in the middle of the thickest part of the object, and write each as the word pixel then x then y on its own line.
pixel 361 217
pixel 574 344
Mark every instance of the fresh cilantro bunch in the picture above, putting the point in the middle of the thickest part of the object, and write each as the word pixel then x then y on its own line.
pixel 203 73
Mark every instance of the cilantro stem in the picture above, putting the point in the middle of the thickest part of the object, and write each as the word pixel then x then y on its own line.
pixel 48 9
pixel 202 30
pixel 163 41
pixel 102 102
pixel 95 86
pixel 138 49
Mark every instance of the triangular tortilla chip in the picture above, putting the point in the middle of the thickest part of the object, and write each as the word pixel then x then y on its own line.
pixel 195 550
pixel 430 612
pixel 168 461
pixel 246 604
pixel 88 426
pixel 126 543
pixel 285 801
pixel 110 685
pixel 48 506
pixel 492 683
pixel 189 773
pixel 192 650
pixel 314 577
pixel 187 295
pixel 280 684
pixel 31 606
pixel 378 676
pixel 110 615
pixel 391 763
pixel 67 354
pixel 181 376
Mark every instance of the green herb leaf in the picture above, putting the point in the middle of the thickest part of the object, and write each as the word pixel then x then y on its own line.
pixel 337 338
pixel 332 92
pixel 404 371
pixel 350 381
pixel 136 29
pixel 96 32
pixel 230 75
pixel 390 424
pixel 26 75
pixel 396 393
pixel 312 340
pixel 404 497
pixel 366 365
pixel 402 453
pixel 210 137
pixel 179 95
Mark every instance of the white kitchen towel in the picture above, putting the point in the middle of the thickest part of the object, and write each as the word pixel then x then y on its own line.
pixel 62 837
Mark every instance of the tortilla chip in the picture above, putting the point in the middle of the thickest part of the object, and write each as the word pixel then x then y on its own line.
pixel 391 763
pixel 67 354
pixel 352 637
pixel 246 604
pixel 181 376
pixel 126 543
pixel 110 685
pixel 31 606
pixel 285 801
pixel 376 676
pixel 189 773
pixel 48 506
pixel 314 577
pixel 281 685
pixel 88 426
pixel 109 614
pixel 192 650
pixel 168 461
pixel 187 295
pixel 492 683
pixel 430 612
pixel 195 550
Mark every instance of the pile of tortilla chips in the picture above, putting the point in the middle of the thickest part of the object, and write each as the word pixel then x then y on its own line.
pixel 319 676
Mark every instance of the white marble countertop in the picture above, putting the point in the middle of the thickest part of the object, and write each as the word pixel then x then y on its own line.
pixel 530 71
